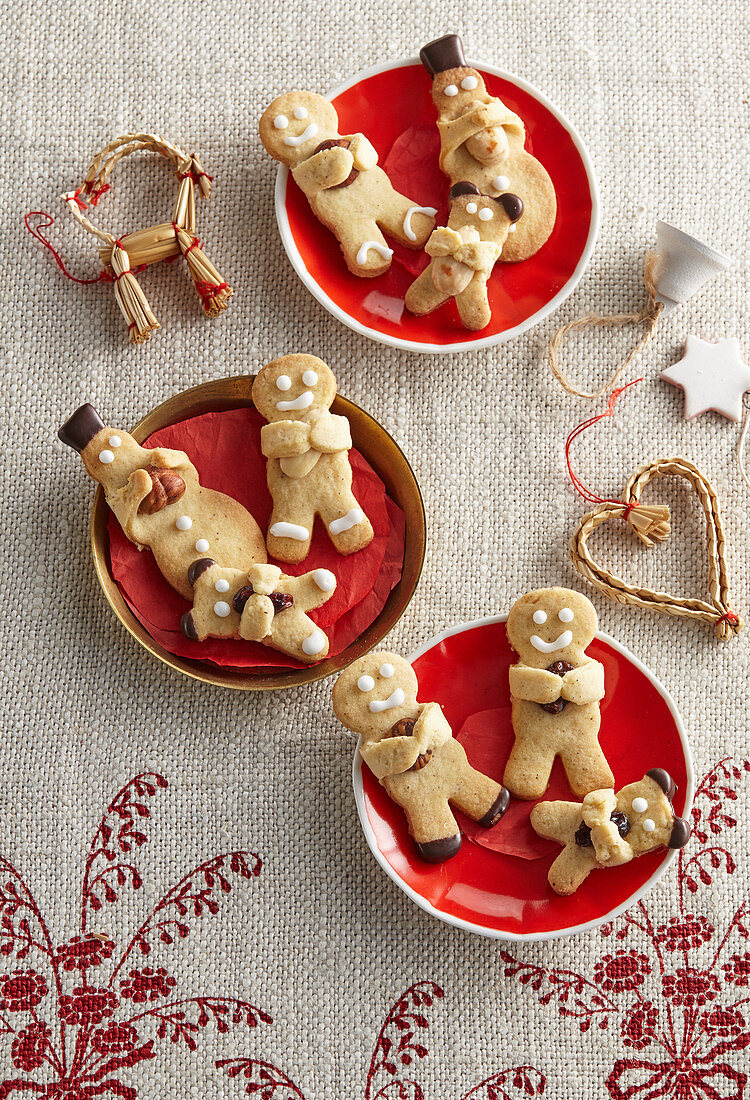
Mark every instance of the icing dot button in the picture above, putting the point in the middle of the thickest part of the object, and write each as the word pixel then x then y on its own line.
pixel 222 585
pixel 202 546
pixel 471 208
pixel 106 457
pixel 640 805
pixel 387 670
pixel 649 825
pixel 283 382
pixel 183 523
pixel 365 683
pixel 114 441
pixel 469 83
pixel 281 122
pixel 540 617
pixel 501 183
pixel 450 90
pixel 309 378
pixel 222 609
pixel 485 214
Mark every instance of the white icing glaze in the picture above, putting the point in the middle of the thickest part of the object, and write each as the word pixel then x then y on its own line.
pixel 106 457
pixel 183 523
pixel 485 214
pixel 376 246
pixel 300 112
pixel 408 231
pixel 222 585
pixel 469 83
pixel 640 805
pixel 561 642
pixel 471 208
pixel 565 615
pixel 365 683
pixel 512 228
pixel 345 523
pixel 283 382
pixel 304 401
pixel 289 531
pixel 306 134
pixel 202 546
pixel 314 643
pixel 396 699
pixel 310 378
pixel 281 122
pixel 114 441
pixel 387 670
pixel 648 825
pixel 501 183
pixel 222 609
pixel 325 579
pixel 540 617
pixel 450 90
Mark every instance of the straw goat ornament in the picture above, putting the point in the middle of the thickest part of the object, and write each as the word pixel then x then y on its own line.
pixel 167 241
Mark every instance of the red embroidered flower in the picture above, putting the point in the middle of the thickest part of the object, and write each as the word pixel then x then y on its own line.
pixel 114 1038
pixel 724 1023
pixel 86 1006
pixel 639 1026
pixel 22 990
pixel 27 1050
pixel 690 987
pixel 684 933
pixel 623 970
pixel 737 970
pixel 83 952
pixel 149 984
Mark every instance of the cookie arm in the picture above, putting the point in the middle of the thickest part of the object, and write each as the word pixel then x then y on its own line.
pixel 556 820
pixel 170 460
pixel 331 433
pixel 363 152
pixel 125 502
pixel 285 438
pixel 584 684
pixel 431 729
pixel 323 170
pixel 536 685
pixel 391 756
pixel 257 618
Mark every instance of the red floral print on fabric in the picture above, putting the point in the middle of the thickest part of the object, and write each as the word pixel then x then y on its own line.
pixel 149 984
pixel 639 1026
pixel 29 1045
pixel 84 952
pixel 114 1038
pixel 684 933
pixel 737 970
pixel 690 987
pixel 22 991
pixel 623 970
pixel 86 1006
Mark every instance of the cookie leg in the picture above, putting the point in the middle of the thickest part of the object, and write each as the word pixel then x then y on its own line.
pixel 348 527
pixel 423 296
pixel 368 253
pixel 478 796
pixel 473 306
pixel 528 769
pixel 570 869
pixel 297 635
pixel 406 222
pixel 289 532
pixel 586 768
pixel 432 825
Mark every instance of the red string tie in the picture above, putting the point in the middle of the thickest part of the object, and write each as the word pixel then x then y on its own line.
pixel 194 176
pixel 728 617
pixel 578 485
pixel 97 193
pixel 36 232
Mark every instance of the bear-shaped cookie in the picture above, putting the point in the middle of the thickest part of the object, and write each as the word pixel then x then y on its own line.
pixel 410 748
pixel 339 174
pixel 555 690
pixel 158 499
pixel 609 829
pixel 482 141
pixel 308 469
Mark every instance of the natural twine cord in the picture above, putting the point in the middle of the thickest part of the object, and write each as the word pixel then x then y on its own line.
pixel 147 246
pixel 651 524
pixel 743 440
pixel 647 316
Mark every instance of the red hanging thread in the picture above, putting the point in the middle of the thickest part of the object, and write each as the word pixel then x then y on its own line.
pixel 580 488
pixel 36 232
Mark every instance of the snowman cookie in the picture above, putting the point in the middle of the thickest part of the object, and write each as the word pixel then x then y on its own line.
pixel 346 189
pixel 608 829
pixel 464 253
pixel 555 689
pixel 259 605
pixel 308 469
pixel 482 141
pixel 157 497
pixel 410 748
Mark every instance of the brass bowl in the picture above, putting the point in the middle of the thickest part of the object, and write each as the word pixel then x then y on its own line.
pixel 385 457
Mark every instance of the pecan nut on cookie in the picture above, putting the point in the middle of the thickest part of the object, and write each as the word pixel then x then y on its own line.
pixel 339 173
pixel 410 748
pixel 482 141
pixel 608 829
pixel 158 499
pixel 555 689
pixel 308 468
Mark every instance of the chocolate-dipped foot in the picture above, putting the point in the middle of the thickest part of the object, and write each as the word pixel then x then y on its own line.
pixel 681 831
pixel 437 851
pixel 496 810
pixel 187 626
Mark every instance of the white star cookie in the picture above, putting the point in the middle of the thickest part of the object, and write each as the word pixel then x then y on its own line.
pixel 713 377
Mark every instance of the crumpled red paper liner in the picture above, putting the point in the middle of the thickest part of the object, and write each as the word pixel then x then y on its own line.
pixel 225 449
pixel 413 168
pixel 487 737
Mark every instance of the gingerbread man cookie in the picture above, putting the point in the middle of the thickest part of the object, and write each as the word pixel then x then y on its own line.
pixel 464 253
pixel 157 497
pixel 555 690
pixel 410 748
pixel 482 141
pixel 346 189
pixel 609 829
pixel 259 605
pixel 308 468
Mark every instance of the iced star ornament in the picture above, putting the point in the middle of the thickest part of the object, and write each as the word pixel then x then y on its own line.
pixel 713 377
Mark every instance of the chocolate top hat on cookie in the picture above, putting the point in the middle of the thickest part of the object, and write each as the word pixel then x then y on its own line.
pixel 81 427
pixel 443 53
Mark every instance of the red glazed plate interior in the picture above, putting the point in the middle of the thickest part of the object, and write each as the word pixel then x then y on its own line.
pixel 396 104
pixel 504 890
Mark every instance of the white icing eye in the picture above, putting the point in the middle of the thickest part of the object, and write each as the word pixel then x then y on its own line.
pixel 310 378
pixel 365 683
pixel 387 671
pixel 640 805
pixel 281 122
pixel 222 609
pixel 450 90
pixel 648 825
pixel 485 214
pixel 283 382
pixel 114 441
pixel 565 615
pixel 471 208
pixel 469 83
pixel 501 183
pixel 183 523
pixel 540 617
pixel 300 112
pixel 201 546
pixel 106 457
pixel 222 585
